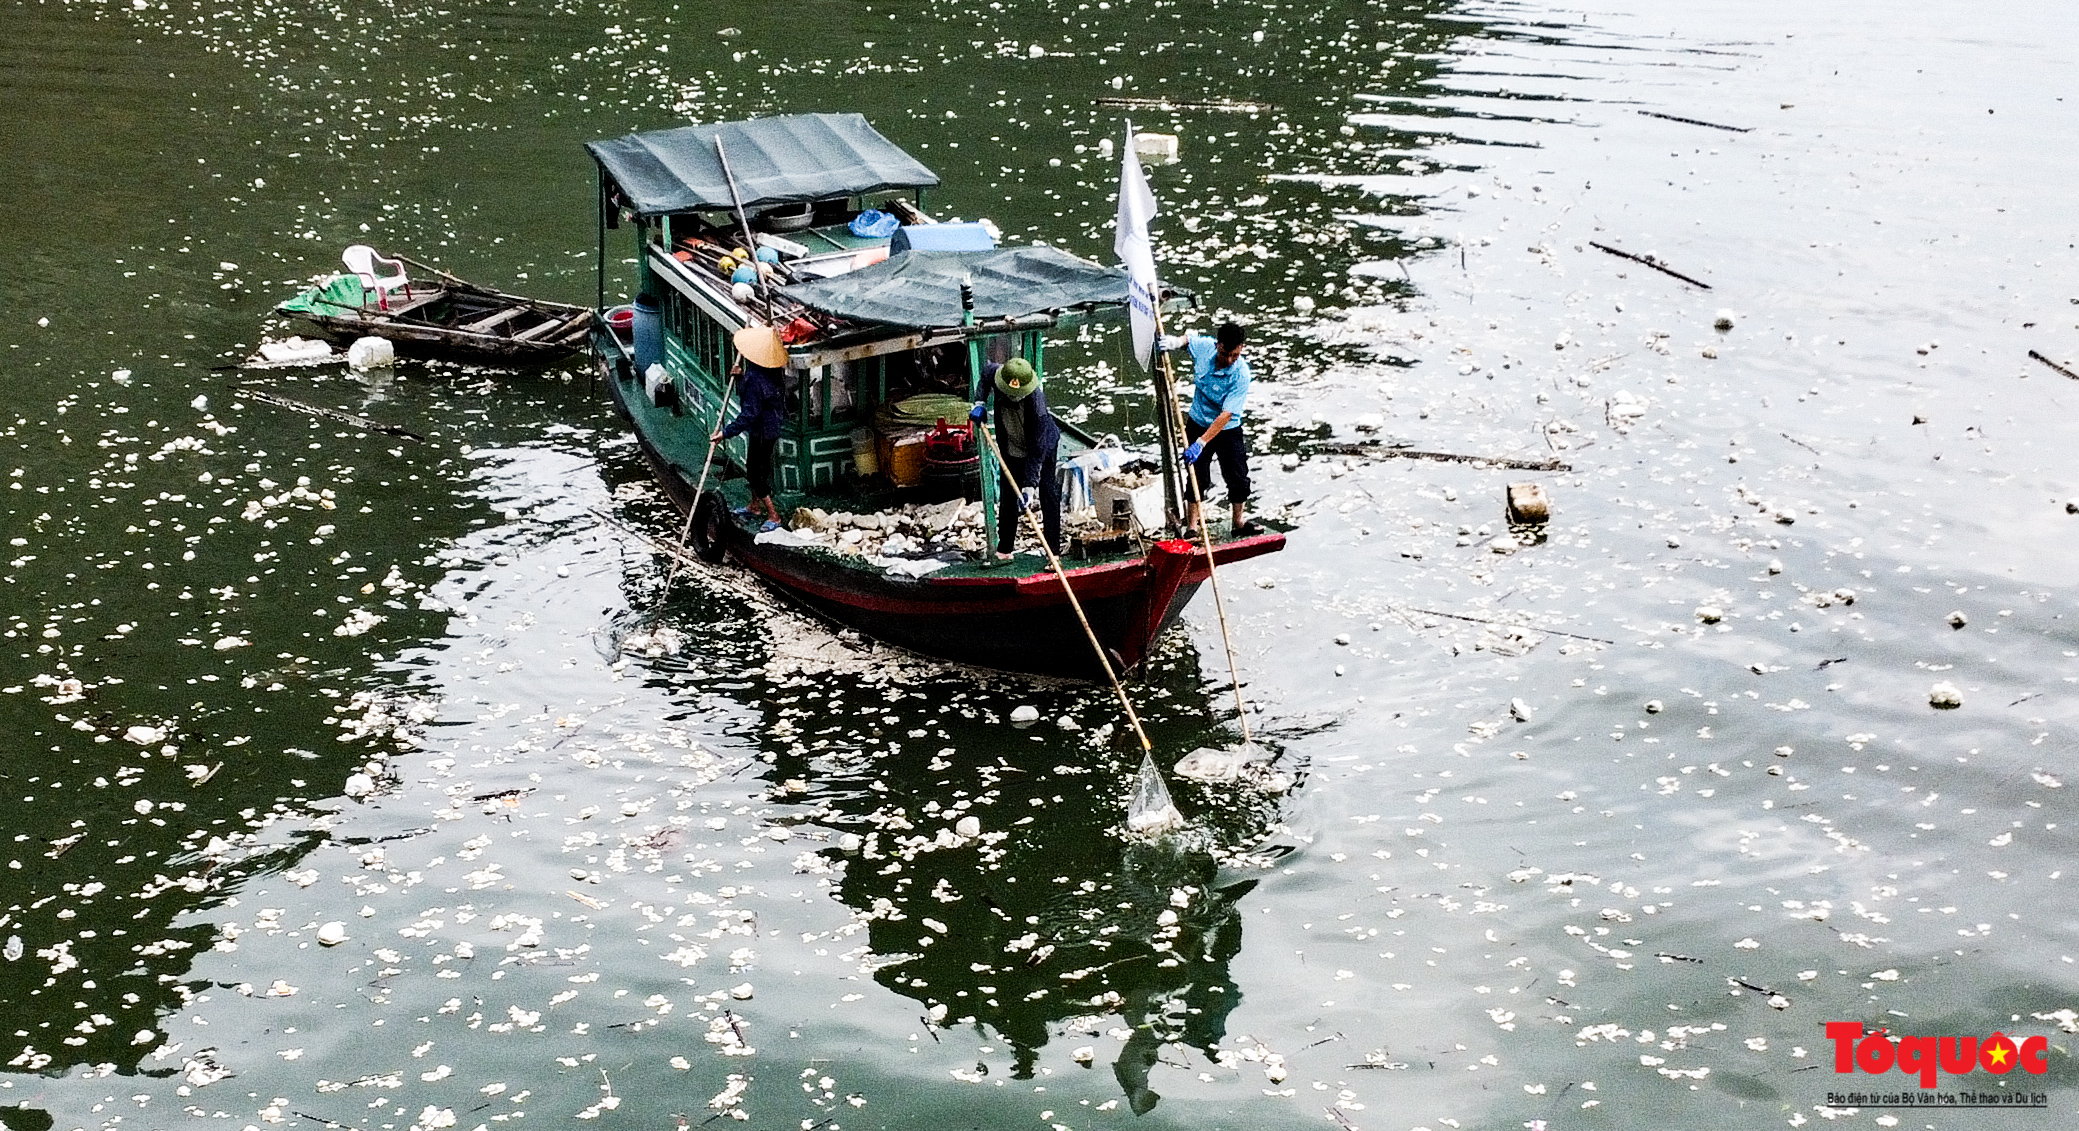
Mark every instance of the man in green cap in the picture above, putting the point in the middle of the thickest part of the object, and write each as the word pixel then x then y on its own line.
pixel 1029 439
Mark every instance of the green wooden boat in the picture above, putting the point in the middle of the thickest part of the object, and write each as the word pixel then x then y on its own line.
pixel 875 324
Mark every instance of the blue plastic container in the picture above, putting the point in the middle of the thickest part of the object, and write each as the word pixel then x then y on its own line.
pixel 649 333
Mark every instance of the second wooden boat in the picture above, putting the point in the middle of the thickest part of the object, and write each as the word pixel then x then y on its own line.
pixel 426 311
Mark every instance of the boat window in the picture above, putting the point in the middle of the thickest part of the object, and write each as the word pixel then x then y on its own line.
pixel 834 394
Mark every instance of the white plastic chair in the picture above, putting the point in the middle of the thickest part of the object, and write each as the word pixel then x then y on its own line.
pixel 366 263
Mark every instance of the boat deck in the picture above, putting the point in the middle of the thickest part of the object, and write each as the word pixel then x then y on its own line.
pixel 1025 562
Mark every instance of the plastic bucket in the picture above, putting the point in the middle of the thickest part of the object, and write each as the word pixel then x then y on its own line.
pixel 866 457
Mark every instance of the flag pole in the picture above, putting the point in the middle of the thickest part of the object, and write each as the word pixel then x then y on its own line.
pixel 1134 245
pixel 1137 247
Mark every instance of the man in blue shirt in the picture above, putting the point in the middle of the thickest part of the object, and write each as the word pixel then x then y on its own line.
pixel 1220 391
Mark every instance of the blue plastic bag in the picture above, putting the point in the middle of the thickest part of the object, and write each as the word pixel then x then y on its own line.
pixel 874 224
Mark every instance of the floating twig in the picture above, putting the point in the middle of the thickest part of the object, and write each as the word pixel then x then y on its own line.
pixel 1650 262
pixel 2054 365
pixel 1801 443
pixel 1383 452
pixel 360 422
pixel 1506 624
pixel 1697 122
pixel 1222 105
pixel 1678 958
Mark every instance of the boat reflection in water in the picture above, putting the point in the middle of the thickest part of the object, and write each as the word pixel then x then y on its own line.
pixel 1045 920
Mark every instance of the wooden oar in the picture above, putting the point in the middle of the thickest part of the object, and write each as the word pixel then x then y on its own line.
pixel 1095 645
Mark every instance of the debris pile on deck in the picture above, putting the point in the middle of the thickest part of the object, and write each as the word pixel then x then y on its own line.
pixel 911 530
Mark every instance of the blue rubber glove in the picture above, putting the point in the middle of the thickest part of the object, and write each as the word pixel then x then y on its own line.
pixel 1195 450
pixel 977 412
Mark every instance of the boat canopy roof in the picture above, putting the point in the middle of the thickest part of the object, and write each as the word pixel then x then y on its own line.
pixel 788 159
pixel 922 288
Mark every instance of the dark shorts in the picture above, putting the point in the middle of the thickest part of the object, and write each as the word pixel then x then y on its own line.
pixel 759 466
pixel 1231 448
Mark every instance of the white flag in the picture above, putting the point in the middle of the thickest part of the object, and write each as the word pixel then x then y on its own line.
pixel 1134 248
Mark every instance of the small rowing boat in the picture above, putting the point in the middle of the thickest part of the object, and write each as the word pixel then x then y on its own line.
pixel 426 311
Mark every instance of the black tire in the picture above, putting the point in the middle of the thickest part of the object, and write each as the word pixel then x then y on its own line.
pixel 710 531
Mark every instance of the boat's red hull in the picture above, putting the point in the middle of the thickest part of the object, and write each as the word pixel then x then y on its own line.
pixel 1014 622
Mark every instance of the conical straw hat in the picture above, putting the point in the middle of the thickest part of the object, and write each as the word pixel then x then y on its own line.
pixel 761 346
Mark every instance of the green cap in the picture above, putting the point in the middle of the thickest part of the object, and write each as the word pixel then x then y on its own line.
pixel 1017 379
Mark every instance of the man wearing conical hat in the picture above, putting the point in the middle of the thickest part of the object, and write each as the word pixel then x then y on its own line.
pixel 761 380
pixel 1029 439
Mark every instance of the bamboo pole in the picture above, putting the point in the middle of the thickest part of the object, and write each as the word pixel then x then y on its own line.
pixel 1205 535
pixel 686 531
pixel 1105 661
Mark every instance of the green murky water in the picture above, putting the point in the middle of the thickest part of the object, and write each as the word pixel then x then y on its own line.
pixel 630 857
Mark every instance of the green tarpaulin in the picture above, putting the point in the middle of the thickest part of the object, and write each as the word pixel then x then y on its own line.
pixel 340 293
pixel 922 288
pixel 780 160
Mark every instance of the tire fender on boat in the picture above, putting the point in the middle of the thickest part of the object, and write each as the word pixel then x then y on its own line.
pixel 710 531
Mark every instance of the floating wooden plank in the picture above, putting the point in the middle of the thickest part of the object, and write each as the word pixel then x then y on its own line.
pixel 2054 365
pixel 1650 262
pixel 360 422
pixel 1698 122
pixel 1381 451
pixel 1217 105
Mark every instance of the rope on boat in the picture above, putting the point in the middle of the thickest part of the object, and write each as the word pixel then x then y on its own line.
pixel 989 437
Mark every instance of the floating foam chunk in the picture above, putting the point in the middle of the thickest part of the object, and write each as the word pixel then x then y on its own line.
pixel 1944 697
pixel 1157 149
pixel 1025 714
pixel 332 934
pixel 371 353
